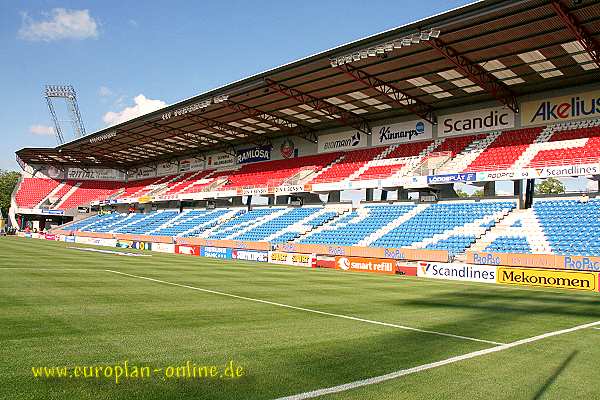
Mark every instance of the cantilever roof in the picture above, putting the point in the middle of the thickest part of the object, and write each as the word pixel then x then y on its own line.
pixel 514 47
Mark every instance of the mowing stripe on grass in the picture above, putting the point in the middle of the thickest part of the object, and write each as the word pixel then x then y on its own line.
pixel 408 328
pixel 424 367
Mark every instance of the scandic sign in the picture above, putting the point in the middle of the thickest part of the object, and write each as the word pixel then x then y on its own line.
pixel 547 278
pixel 361 264
pixel 478 121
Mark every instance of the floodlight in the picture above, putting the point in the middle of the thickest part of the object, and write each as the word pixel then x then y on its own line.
pixel 356 57
pixel 333 62
pixel 416 39
pixel 406 42
pixel 435 32
pixel 397 43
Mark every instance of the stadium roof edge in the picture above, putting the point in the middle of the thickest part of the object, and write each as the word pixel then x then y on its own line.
pixel 459 15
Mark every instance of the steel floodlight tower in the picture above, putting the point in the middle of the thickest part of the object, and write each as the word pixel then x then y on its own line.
pixel 68 93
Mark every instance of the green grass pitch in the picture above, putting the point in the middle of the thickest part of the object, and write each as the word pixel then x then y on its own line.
pixel 60 307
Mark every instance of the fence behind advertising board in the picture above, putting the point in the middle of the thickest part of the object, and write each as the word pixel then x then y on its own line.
pixel 368 252
pixel 232 244
pixel 581 263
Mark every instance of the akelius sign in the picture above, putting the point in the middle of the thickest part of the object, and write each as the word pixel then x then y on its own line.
pixel 564 108
pixel 402 132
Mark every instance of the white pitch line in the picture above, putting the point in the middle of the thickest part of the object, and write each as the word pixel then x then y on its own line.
pixel 596 328
pixel 424 367
pixel 310 310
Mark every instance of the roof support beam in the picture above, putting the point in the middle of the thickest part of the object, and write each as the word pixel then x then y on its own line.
pixel 402 99
pixel 591 45
pixel 477 74
pixel 280 122
pixel 226 129
pixel 346 117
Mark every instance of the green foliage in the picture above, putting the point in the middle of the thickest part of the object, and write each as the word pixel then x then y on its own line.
pixel 550 186
pixel 8 181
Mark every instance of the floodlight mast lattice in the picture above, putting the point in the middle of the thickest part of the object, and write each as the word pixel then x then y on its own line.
pixel 66 92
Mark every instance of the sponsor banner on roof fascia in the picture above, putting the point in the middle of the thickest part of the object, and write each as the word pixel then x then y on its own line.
pixel 561 108
pixel 402 132
pixel 220 160
pixel 452 178
pixel 166 168
pixel 457 272
pixel 298 259
pixel 478 121
pixel 348 140
pixel 191 164
pixel 363 264
pixel 253 154
pixel 141 173
pixel 250 255
pixel 548 278
pixel 97 174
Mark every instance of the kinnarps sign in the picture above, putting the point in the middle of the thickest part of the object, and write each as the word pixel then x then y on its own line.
pixel 563 108
pixel 341 141
pixel 485 120
pixel 402 132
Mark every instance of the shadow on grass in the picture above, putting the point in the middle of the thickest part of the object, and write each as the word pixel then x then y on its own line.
pixel 554 376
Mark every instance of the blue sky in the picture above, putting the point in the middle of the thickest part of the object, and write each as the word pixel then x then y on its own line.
pixel 114 51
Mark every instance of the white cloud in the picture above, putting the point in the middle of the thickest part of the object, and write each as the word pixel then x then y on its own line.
pixel 59 23
pixel 142 106
pixel 133 23
pixel 104 91
pixel 41 130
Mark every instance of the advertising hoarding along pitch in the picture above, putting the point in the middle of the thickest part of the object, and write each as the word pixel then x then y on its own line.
pixel 457 272
pixel 298 259
pixel 547 278
pixel 362 264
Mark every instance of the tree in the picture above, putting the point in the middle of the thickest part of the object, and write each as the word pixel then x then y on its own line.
pixel 550 186
pixel 461 193
pixel 8 181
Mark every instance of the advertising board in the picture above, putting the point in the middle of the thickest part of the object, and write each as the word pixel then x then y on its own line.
pixel 253 154
pixel 163 247
pixel 402 132
pixel 547 278
pixel 451 178
pixel 348 140
pixel 298 259
pixel 220 160
pixel 561 108
pixel 477 121
pixel 250 255
pixel 133 244
pixel 96 241
pixel 362 264
pixel 190 250
pixel 457 272
pixel 578 263
pixel 216 252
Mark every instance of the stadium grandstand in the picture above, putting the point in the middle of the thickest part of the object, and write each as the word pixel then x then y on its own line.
pixel 338 227
pixel 497 91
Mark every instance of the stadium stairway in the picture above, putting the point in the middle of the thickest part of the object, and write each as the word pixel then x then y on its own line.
pixel 463 159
